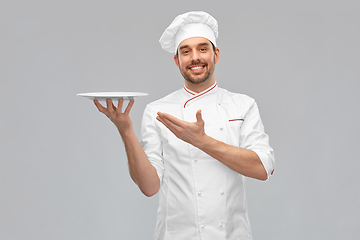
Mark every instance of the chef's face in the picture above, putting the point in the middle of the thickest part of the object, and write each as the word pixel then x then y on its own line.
pixel 196 59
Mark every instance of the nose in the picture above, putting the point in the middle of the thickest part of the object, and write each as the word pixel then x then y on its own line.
pixel 195 56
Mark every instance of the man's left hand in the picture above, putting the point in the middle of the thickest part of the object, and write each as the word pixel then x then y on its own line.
pixel 190 132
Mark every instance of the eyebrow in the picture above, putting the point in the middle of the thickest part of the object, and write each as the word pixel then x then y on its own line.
pixel 200 44
pixel 204 44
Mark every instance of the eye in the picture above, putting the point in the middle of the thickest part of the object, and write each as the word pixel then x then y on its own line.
pixel 202 49
pixel 185 52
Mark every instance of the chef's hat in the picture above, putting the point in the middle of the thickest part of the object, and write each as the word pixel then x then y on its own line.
pixel 188 25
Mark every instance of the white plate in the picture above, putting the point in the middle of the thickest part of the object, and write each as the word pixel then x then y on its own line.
pixel 114 96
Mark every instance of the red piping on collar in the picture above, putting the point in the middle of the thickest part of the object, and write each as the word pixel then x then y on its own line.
pixel 200 95
pixel 189 91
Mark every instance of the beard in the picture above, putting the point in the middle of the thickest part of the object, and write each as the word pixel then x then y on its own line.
pixel 198 78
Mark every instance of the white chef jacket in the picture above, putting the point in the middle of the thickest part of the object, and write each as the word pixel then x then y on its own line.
pixel 201 198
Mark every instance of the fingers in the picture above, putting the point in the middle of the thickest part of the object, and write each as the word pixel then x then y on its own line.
pixel 110 105
pixel 170 119
pixel 113 113
pixel 120 105
pixel 110 108
pixel 129 106
pixel 174 124
pixel 100 107
pixel 169 124
pixel 199 117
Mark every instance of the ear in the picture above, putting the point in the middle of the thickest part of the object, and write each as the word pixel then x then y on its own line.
pixel 217 55
pixel 176 60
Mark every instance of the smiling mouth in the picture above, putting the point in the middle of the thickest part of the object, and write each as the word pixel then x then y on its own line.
pixel 196 68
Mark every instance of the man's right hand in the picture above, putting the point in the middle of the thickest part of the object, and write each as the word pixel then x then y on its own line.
pixel 121 119
pixel 141 171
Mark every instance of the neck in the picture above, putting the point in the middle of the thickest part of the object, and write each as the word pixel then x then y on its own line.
pixel 199 87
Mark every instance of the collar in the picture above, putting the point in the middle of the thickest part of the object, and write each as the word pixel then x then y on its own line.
pixel 193 95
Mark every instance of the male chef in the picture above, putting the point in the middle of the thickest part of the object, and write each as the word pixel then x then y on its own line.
pixel 198 143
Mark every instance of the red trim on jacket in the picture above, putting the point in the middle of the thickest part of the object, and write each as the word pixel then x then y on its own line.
pixel 236 120
pixel 200 94
pixel 189 91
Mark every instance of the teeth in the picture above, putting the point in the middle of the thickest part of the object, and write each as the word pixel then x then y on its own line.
pixel 196 68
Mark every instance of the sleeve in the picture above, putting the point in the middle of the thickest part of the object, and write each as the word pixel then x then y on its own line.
pixel 151 142
pixel 254 138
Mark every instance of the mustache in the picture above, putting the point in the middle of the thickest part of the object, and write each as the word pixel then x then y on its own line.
pixel 197 62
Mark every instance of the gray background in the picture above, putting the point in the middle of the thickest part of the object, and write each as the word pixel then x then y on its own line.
pixel 63 170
